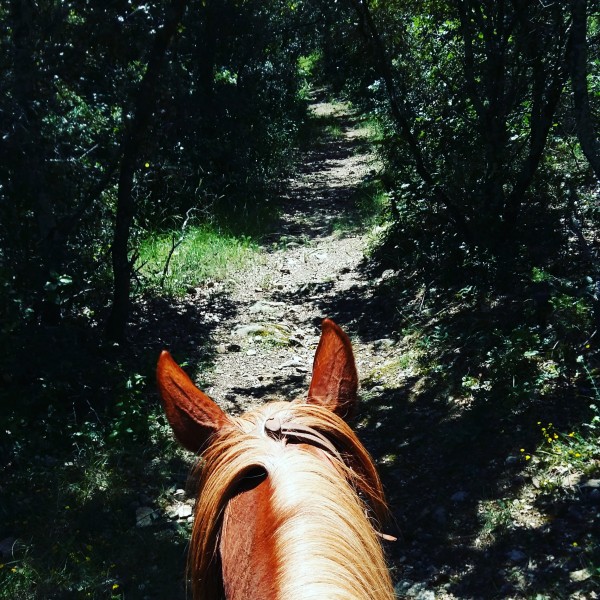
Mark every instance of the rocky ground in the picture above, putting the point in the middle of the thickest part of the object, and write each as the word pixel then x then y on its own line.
pixel 308 266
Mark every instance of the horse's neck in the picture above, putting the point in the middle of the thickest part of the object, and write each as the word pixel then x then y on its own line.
pixel 301 534
pixel 246 547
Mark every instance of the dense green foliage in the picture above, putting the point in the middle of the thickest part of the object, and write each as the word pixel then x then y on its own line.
pixel 492 204
pixel 224 123
pixel 204 146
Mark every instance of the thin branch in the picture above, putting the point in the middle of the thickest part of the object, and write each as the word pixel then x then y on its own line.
pixel 175 245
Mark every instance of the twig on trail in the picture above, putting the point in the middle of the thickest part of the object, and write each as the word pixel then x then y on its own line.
pixel 175 245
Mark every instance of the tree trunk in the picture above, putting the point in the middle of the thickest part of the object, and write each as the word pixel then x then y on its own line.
pixel 488 95
pixel 146 97
pixel 547 88
pixel 578 68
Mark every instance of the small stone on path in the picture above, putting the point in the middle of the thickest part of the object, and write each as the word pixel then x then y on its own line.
pixel 295 361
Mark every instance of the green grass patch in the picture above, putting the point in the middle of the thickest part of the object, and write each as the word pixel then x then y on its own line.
pixel 334 131
pixel 175 261
pixel 575 452
pixel 402 362
pixel 374 130
pixel 307 67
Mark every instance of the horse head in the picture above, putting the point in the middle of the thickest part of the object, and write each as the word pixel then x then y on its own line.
pixel 289 499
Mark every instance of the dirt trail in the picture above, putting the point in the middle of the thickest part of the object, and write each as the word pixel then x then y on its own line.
pixel 265 347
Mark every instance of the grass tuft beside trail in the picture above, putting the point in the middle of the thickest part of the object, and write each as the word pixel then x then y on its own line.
pixel 198 255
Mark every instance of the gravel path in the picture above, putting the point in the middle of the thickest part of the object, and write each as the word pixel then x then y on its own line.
pixel 265 349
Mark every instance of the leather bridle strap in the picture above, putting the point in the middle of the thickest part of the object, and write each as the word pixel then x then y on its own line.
pixel 297 433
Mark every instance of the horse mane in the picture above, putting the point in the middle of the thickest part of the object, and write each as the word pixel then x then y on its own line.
pixel 328 500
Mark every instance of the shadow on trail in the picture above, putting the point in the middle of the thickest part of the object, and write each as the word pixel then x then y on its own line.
pixel 451 479
pixel 468 521
pixel 320 194
pixel 184 327
pixel 85 454
pixel 289 386
pixel 358 309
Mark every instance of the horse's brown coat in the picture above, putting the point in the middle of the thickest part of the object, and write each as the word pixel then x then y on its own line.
pixel 246 539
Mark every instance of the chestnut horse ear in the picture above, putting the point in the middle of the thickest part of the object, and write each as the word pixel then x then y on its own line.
pixel 193 416
pixel 334 381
